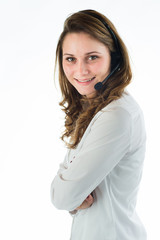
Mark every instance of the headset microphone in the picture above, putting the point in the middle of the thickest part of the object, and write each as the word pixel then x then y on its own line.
pixel 99 85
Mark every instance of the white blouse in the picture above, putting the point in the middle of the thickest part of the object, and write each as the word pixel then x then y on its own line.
pixel 107 162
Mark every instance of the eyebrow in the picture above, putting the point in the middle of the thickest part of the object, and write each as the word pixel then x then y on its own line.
pixel 93 52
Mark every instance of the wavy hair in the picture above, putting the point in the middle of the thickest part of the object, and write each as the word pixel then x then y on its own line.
pixel 77 115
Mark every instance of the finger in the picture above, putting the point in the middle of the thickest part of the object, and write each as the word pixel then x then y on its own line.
pixel 89 198
pixel 86 203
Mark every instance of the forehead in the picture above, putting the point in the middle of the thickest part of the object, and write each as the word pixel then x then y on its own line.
pixel 81 42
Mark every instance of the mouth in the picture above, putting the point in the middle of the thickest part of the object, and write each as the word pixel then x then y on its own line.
pixel 85 81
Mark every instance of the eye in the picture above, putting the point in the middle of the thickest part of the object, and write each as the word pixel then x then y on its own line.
pixel 70 59
pixel 93 57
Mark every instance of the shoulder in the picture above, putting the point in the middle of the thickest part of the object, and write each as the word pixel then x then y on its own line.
pixel 120 113
pixel 126 102
pixel 124 107
pixel 112 120
pixel 120 116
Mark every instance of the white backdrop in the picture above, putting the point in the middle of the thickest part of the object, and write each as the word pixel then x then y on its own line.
pixel 31 120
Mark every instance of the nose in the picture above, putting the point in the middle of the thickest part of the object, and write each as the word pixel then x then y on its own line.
pixel 81 68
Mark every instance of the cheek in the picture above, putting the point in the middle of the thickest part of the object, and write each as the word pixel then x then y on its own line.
pixel 101 67
pixel 67 70
pixel 98 67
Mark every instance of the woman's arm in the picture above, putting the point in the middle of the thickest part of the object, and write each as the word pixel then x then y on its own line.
pixel 105 144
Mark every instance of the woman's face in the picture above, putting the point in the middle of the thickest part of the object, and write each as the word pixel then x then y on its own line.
pixel 86 61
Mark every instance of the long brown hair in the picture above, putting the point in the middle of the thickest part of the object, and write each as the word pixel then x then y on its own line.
pixel 77 118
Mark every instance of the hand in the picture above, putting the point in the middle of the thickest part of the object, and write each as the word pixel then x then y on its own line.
pixel 86 203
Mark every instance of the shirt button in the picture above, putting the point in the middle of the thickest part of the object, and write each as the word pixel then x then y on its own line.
pixel 72 159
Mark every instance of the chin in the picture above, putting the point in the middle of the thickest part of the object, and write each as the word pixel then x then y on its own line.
pixel 88 94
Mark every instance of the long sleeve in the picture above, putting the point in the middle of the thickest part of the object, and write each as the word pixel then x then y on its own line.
pixel 106 142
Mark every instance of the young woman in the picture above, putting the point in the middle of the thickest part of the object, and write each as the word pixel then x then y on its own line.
pixel 99 178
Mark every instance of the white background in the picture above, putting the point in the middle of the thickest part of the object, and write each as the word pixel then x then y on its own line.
pixel 31 120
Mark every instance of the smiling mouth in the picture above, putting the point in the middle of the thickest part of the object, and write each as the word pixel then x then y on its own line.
pixel 89 80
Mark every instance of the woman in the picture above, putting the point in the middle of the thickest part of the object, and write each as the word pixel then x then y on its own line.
pixel 104 131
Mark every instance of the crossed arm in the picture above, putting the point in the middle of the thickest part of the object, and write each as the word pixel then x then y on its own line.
pixel 108 136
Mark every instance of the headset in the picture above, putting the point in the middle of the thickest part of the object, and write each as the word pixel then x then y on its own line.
pixel 116 57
